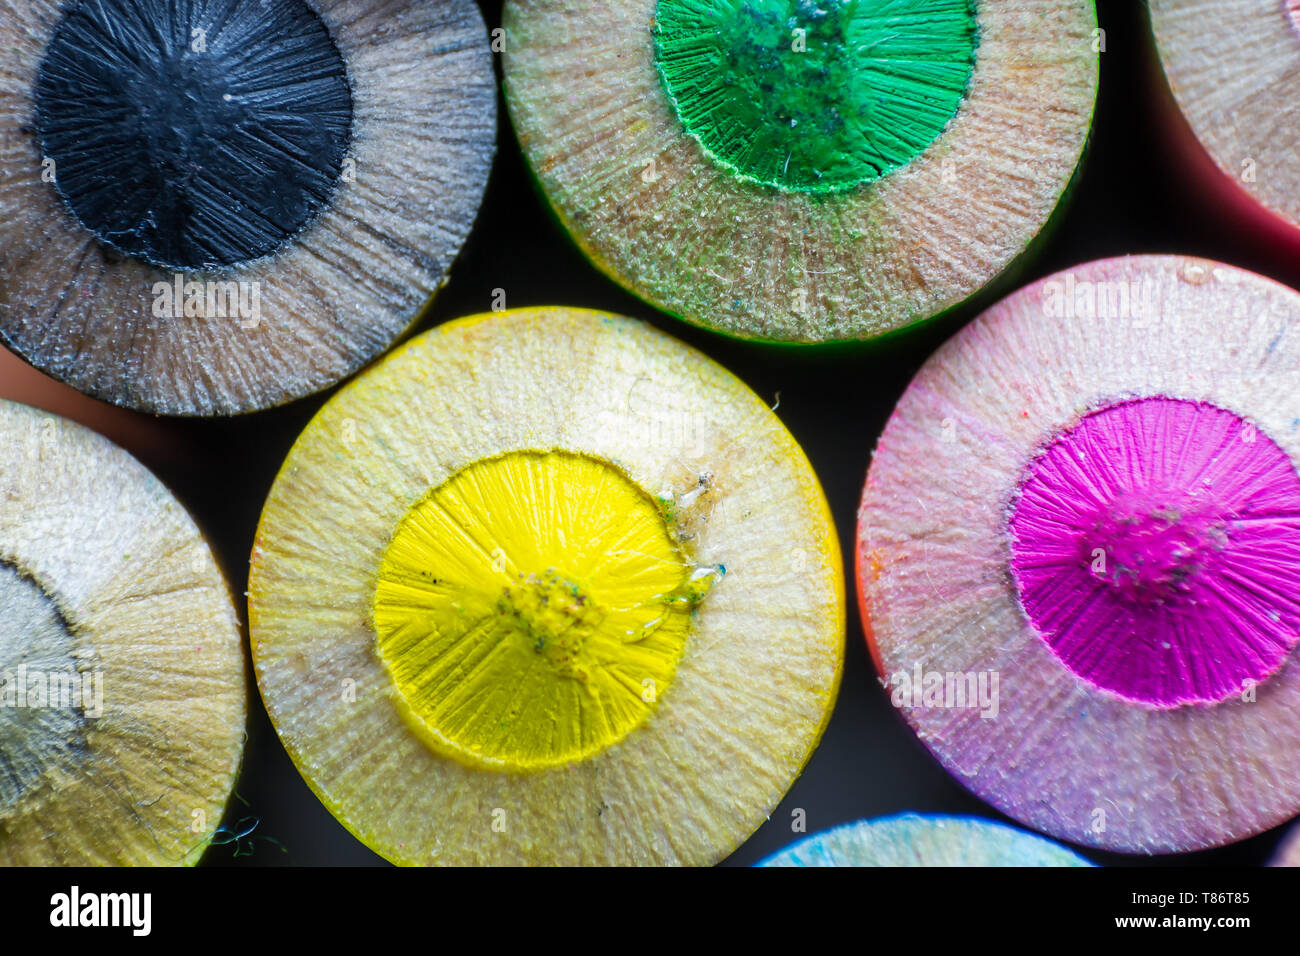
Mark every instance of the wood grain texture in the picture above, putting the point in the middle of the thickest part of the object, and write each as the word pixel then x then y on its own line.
pixel 698 242
pixel 1233 67
pixel 925 840
pixel 1062 756
pixel 424 130
pixel 760 670
pixel 146 782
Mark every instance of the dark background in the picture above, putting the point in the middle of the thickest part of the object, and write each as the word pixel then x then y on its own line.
pixel 1135 195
